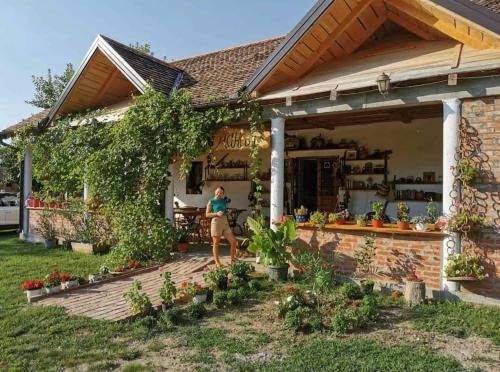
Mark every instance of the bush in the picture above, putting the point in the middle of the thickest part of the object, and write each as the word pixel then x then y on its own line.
pixel 323 280
pixel 238 282
pixel 241 269
pixel 139 302
pixel 234 296
pixel 369 309
pixel 351 290
pixel 255 285
pixel 316 322
pixel 196 310
pixel 294 319
pixel 220 299
pixel 344 320
pixel 172 316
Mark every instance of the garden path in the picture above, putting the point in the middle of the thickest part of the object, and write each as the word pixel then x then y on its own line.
pixel 105 300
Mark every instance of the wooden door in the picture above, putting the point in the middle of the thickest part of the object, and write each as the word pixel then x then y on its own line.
pixel 328 183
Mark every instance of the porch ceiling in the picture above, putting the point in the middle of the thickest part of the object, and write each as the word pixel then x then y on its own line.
pixel 404 115
pixel 346 25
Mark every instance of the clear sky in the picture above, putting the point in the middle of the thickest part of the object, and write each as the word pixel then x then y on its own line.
pixel 39 34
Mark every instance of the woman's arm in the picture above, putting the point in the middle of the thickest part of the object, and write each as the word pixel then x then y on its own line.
pixel 208 212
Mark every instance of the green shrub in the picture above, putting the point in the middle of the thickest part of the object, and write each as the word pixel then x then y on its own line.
pixel 255 285
pixel 351 290
pixel 315 321
pixel 294 319
pixel 369 308
pixel 172 316
pixel 238 282
pixel 344 320
pixel 139 302
pixel 234 296
pixel 241 269
pixel 220 299
pixel 196 310
pixel 323 280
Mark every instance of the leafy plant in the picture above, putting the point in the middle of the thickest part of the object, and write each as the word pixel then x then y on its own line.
pixel 465 222
pixel 361 220
pixel 46 227
pixel 302 211
pixel 172 316
pixel 217 278
pixel 294 319
pixel 432 212
pixel 168 291
pixel 420 220
pixel 183 233
pixel 351 290
pixel 318 219
pixel 140 303
pixel 196 310
pixel 241 269
pixel 53 279
pixel 220 299
pixel 378 211
pixel 403 212
pixel 323 280
pixel 272 246
pixel 465 265
pixel 365 255
pixel 466 171
pixel 234 296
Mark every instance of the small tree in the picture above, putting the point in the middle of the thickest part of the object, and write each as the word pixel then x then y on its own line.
pixel 143 48
pixel 365 254
pixel 49 88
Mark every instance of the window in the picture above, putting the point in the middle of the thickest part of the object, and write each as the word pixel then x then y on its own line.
pixel 194 180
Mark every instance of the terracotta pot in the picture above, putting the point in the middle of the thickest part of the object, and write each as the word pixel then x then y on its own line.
pixel 378 223
pixel 36 203
pixel 340 222
pixel 183 247
pixel 431 226
pixel 403 225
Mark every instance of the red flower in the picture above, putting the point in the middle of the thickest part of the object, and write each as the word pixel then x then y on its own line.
pixel 65 277
pixel 134 264
pixel 54 276
pixel 184 285
pixel 32 284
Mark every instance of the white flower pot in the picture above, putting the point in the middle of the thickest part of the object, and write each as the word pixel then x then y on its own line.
pixel 421 227
pixel 69 284
pixel 51 290
pixel 200 298
pixel 34 293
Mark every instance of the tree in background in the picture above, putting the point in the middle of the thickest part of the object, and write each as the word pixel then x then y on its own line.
pixel 10 165
pixel 49 88
pixel 143 48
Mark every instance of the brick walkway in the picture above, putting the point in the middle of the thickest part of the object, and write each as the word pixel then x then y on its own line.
pixel 105 301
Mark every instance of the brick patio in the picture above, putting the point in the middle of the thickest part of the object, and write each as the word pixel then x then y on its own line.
pixel 105 301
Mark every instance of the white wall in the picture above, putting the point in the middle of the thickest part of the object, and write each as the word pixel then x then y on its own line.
pixel 417 147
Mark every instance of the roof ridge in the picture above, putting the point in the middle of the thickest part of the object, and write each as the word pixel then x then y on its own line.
pixel 229 48
pixel 141 54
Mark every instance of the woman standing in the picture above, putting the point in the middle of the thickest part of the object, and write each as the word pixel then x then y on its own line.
pixel 217 211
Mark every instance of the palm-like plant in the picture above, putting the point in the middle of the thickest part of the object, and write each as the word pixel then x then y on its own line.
pixel 272 246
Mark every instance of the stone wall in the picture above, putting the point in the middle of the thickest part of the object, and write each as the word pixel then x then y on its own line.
pixel 393 254
pixel 483 115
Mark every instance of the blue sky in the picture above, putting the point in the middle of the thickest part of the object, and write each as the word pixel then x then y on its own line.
pixel 36 35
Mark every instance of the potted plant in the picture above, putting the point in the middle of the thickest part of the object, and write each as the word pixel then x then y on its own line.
pixel 361 220
pixel 300 214
pixel 403 215
pixel 466 222
pixel 46 229
pixel 167 291
pixel 420 223
pixel 88 239
pixel 33 288
pixel 318 219
pixel 69 281
pixel 217 278
pixel 432 215
pixel 466 171
pixel 272 246
pixel 36 201
pixel 378 214
pixel 465 267
pixel 183 233
pixel 339 218
pixel 194 290
pixel 103 273
pixel 52 282
pixel 241 269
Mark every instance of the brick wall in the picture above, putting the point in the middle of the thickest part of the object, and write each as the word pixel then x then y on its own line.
pixel 64 227
pixel 391 253
pixel 483 114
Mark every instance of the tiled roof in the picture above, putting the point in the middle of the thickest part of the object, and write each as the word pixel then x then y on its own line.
pixel 33 119
pixel 493 5
pixel 218 75
pixel 161 73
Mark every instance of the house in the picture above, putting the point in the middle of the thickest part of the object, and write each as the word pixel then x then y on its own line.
pixel 365 100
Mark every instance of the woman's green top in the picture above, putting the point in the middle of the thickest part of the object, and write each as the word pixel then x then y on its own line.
pixel 218 205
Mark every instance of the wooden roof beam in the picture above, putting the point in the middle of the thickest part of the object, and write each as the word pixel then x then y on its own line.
pixel 326 44
pixel 438 24
pixel 413 28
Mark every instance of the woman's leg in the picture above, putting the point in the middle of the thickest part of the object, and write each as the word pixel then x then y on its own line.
pixel 228 234
pixel 216 241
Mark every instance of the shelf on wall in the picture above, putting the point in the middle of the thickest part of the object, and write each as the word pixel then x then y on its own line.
pixel 365 160
pixel 225 180
pixel 372 190
pixel 418 183
pixel 417 201
pixel 364 174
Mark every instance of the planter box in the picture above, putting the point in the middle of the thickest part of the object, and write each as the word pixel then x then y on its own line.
pixel 70 284
pixel 462 279
pixel 94 278
pixel 52 290
pixel 200 298
pixel 87 248
pixel 34 293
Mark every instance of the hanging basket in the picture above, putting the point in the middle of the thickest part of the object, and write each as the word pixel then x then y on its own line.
pixel 463 279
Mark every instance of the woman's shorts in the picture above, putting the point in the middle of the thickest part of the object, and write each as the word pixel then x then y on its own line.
pixel 219 226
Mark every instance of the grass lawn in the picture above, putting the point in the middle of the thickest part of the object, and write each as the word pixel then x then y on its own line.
pixel 241 338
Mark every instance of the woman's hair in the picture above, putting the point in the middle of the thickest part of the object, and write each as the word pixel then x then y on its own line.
pixel 222 188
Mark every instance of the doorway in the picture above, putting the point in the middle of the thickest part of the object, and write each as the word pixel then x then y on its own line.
pixel 307 184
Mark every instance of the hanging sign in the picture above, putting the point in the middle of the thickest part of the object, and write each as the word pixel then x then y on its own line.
pixel 237 139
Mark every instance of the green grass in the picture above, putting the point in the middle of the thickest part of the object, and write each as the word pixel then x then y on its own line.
pixel 458 319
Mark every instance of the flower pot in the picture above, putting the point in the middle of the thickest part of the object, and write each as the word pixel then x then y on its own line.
pixel 421 227
pixel 52 290
pixel 94 278
pixel 278 273
pixel 340 222
pixel 403 225
pixel 300 218
pixel 361 223
pixel 34 293
pixel 49 243
pixel 183 247
pixel 462 279
pixel 431 226
pixel 69 284
pixel 378 223
pixel 36 203
pixel 200 298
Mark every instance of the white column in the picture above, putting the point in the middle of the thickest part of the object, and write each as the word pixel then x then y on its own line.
pixel 277 168
pixel 27 181
pixel 85 191
pixel 169 196
pixel 451 133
